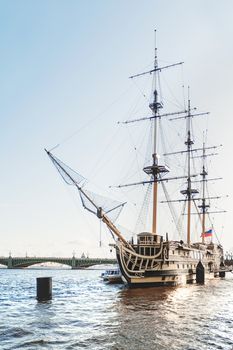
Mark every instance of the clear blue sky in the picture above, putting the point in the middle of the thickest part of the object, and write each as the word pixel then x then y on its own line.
pixel 65 64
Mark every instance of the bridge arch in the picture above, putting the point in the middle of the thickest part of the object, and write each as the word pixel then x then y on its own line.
pixel 22 262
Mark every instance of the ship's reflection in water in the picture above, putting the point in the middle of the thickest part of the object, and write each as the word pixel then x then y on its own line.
pixel 186 317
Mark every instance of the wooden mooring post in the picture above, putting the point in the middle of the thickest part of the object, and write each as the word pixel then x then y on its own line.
pixel 44 288
pixel 222 271
pixel 200 273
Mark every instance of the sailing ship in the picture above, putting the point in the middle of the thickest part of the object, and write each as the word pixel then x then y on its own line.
pixel 154 259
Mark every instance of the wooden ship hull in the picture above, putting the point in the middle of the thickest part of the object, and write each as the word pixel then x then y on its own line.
pixel 167 263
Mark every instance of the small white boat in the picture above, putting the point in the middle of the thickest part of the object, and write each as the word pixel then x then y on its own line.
pixel 112 275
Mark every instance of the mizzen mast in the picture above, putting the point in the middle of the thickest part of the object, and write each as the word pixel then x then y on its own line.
pixel 204 207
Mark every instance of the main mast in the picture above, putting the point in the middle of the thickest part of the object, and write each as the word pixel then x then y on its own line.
pixel 189 144
pixel 154 107
pixel 155 169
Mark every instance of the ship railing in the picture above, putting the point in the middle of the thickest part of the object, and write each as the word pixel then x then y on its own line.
pixel 139 263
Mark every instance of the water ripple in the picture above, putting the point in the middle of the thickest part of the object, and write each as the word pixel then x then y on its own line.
pixel 85 313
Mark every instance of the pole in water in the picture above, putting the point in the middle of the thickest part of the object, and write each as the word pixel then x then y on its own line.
pixel 222 271
pixel 200 273
pixel 44 288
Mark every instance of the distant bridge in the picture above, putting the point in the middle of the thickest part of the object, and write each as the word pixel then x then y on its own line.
pixel 22 262
pixel 74 263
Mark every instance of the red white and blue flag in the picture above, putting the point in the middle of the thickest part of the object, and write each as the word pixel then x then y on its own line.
pixel 207 233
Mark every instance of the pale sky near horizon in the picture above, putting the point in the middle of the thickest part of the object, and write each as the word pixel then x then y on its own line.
pixel 64 69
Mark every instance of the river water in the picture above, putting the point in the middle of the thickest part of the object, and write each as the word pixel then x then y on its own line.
pixel 86 313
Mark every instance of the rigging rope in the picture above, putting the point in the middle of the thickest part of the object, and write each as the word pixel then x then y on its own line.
pixel 96 117
pixel 171 207
pixel 212 225
pixel 177 102
pixel 100 243
pixel 166 158
pixel 198 211
pixel 144 211
pixel 181 219
pixel 149 145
